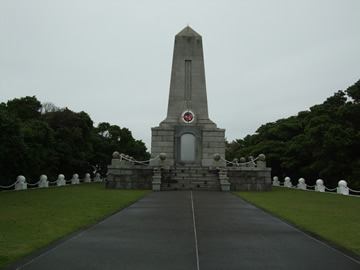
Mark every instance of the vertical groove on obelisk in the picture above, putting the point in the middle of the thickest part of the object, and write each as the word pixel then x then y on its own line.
pixel 188 79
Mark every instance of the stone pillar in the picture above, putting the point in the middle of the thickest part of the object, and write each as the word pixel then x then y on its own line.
pixel 156 180
pixel 224 180
pixel 261 162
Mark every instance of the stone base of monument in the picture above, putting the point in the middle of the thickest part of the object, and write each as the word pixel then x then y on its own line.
pixel 188 178
pixel 124 174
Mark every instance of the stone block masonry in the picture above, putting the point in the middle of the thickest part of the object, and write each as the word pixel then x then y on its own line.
pixel 250 179
pixel 213 142
pixel 162 141
pixel 129 177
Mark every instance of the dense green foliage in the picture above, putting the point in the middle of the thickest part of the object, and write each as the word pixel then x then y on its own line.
pixel 40 139
pixel 323 142
pixel 333 217
pixel 34 218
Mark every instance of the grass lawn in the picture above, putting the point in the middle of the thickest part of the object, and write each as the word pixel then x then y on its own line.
pixel 31 219
pixel 333 217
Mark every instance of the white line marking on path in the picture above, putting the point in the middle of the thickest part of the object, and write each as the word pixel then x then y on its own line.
pixel 195 234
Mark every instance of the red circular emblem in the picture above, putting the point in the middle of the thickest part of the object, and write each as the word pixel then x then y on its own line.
pixel 188 117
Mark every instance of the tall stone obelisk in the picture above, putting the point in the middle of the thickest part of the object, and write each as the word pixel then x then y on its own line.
pixel 187 136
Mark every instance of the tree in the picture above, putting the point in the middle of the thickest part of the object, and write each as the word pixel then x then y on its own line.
pixel 40 139
pixel 25 108
pixel 72 133
pixel 354 92
pixel 48 107
pixel 320 143
pixel 12 147
pixel 39 155
pixel 110 138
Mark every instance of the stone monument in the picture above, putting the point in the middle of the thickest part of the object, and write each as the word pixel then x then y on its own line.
pixel 187 148
pixel 187 136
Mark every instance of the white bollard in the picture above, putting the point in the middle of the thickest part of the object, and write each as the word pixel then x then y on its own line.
pixel 276 181
pixel 320 185
pixel 61 180
pixel 242 162
pixel 43 181
pixel 261 163
pixel 75 179
pixel 287 182
pixel 342 188
pixel 301 184
pixel 97 177
pixel 20 183
pixel 87 178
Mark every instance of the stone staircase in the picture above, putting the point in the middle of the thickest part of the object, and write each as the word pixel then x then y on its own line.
pixel 190 178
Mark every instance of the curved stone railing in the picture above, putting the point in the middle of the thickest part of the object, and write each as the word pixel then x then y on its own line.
pixel 259 161
pixel 129 160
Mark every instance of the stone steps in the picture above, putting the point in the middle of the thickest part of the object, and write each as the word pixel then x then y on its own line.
pixel 190 178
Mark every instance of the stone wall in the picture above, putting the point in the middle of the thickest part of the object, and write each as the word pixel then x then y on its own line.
pixel 129 177
pixel 123 174
pixel 244 176
pixel 249 178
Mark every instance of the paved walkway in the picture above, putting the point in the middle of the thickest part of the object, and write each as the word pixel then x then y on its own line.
pixel 191 230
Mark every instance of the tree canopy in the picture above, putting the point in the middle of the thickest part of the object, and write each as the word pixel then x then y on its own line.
pixel 40 139
pixel 323 142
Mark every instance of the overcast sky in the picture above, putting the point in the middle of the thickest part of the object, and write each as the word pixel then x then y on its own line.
pixel 264 59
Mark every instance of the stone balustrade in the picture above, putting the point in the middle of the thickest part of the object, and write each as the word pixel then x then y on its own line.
pixel 21 184
pixel 342 187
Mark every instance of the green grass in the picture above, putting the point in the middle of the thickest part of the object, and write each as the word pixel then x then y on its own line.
pixel 32 219
pixel 333 217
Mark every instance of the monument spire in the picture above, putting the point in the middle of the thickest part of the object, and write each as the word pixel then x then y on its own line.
pixel 187 83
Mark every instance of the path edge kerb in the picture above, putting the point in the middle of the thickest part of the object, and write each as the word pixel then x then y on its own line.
pixel 28 258
pixel 310 234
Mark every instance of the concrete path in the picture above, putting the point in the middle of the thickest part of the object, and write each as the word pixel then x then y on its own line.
pixel 191 230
